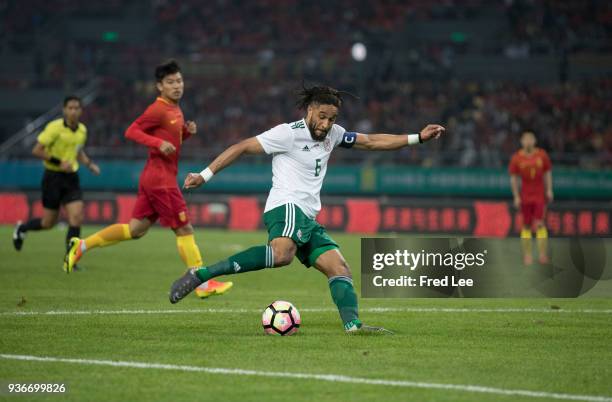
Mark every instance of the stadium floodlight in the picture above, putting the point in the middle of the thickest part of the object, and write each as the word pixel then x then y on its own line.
pixel 359 51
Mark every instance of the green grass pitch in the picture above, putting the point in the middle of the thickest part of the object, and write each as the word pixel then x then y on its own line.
pixel 555 354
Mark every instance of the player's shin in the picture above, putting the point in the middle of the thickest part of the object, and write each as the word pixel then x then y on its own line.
pixel 108 236
pixel 32 224
pixel 345 298
pixel 542 240
pixel 252 259
pixel 73 231
pixel 526 242
pixel 189 251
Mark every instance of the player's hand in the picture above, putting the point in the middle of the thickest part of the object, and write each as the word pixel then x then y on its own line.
pixel 66 167
pixel 431 131
pixel 192 127
pixel 550 196
pixel 95 169
pixel 166 148
pixel 193 180
pixel 517 202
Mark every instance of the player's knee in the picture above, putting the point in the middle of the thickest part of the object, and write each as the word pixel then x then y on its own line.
pixel 346 269
pixel 283 256
pixel 282 259
pixel 184 230
pixel 137 233
pixel 76 220
pixel 47 222
pixel 138 228
pixel 284 250
pixel 341 269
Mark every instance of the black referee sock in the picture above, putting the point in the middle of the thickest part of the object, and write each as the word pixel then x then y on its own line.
pixel 32 224
pixel 73 231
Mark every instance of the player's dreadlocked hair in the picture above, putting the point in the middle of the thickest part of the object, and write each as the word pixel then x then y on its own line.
pixel 322 95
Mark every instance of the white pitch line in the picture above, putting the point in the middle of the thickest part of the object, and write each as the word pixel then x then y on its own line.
pixel 310 310
pixel 319 377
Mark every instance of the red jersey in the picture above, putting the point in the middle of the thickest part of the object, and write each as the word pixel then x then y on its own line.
pixel 531 168
pixel 162 121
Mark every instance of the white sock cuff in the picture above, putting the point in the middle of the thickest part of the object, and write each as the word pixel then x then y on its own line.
pixel 340 278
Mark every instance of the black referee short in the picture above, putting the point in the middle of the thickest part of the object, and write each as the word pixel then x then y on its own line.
pixel 60 188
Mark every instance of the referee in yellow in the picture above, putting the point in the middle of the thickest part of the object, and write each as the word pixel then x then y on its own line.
pixel 60 146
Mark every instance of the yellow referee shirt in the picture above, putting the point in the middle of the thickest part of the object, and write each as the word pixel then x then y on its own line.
pixel 63 143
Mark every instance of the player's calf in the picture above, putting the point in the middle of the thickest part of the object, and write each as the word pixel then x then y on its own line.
pixel 542 241
pixel 19 234
pixel 252 259
pixel 332 264
pixel 48 221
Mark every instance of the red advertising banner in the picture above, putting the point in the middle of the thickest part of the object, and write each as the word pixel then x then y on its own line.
pixel 354 215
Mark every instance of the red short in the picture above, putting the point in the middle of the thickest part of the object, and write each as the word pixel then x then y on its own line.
pixel 167 204
pixel 532 211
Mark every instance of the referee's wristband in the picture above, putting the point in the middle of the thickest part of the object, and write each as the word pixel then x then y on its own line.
pixel 54 161
pixel 414 139
pixel 206 174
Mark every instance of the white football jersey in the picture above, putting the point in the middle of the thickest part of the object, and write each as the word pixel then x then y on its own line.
pixel 299 163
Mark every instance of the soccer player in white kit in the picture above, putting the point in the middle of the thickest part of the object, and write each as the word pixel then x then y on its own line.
pixel 300 152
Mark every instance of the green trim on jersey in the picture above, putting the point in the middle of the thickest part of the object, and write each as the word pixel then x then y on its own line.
pixel 310 237
pixel 298 125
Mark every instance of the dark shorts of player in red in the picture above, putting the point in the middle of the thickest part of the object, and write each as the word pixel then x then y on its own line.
pixel 167 204
pixel 532 211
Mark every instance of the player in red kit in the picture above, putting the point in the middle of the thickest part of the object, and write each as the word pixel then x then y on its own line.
pixel 162 129
pixel 532 166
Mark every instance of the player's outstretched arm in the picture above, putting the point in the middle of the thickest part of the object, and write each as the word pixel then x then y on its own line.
pixel 226 158
pixel 390 142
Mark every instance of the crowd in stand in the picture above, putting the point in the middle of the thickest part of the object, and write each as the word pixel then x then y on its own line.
pixel 554 26
pixel 286 41
pixel 573 121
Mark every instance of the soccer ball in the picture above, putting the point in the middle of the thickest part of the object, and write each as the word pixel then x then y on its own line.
pixel 281 318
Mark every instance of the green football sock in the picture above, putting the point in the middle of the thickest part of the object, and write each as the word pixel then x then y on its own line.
pixel 344 296
pixel 252 259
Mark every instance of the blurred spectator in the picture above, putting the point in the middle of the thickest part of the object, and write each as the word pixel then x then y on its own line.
pixel 241 72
